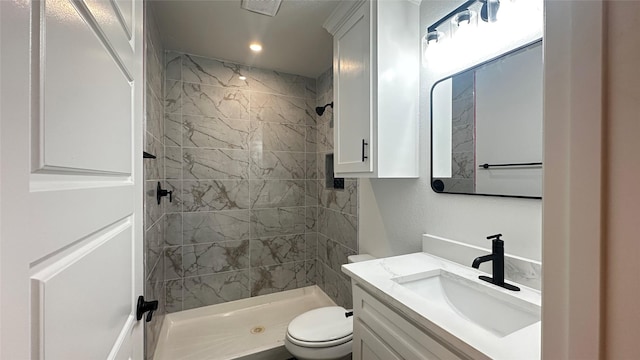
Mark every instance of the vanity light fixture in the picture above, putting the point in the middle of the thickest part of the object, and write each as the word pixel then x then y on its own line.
pixel 459 17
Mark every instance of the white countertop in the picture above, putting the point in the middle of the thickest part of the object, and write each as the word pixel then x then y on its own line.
pixel 376 277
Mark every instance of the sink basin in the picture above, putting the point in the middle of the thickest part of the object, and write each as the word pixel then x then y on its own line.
pixel 487 306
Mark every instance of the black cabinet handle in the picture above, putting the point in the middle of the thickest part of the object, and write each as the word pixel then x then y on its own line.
pixel 160 192
pixel 532 164
pixel 364 143
pixel 146 306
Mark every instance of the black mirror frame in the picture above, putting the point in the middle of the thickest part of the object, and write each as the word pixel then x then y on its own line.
pixel 436 184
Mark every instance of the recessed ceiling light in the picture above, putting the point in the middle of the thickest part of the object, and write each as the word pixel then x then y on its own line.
pixel 242 78
pixel 255 47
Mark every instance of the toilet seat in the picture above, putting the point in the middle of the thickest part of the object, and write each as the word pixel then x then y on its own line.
pixel 321 328
pixel 319 344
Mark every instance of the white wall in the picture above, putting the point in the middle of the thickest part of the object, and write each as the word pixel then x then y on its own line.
pixel 590 304
pixel 394 213
pixel 621 287
pixel 573 213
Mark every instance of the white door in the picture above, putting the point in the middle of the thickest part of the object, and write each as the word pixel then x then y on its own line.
pixel 70 179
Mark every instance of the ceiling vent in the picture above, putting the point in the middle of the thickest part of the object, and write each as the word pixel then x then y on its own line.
pixel 264 7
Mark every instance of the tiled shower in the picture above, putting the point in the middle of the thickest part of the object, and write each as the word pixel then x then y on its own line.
pixel 244 155
pixel 155 217
pixel 238 160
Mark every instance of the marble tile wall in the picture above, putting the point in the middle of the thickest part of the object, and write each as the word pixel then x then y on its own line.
pixel 155 219
pixel 463 133
pixel 240 157
pixel 336 224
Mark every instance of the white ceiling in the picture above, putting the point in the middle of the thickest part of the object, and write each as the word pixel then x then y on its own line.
pixel 293 41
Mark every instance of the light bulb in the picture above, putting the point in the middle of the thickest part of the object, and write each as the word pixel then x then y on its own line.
pixel 463 24
pixel 430 39
pixel 255 47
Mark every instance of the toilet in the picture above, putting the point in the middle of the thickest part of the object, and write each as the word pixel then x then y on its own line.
pixel 322 334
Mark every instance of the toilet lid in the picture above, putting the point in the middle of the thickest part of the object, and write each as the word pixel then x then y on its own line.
pixel 321 325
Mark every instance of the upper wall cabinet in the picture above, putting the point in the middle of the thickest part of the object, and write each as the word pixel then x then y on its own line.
pixel 376 55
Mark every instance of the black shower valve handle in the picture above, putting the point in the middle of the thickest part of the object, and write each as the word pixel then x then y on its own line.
pixel 145 307
pixel 160 192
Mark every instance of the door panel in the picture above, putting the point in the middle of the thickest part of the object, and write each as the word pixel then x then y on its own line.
pixel 92 285
pixel 86 90
pixel 70 180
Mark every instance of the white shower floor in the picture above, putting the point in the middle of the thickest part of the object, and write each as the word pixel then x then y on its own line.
pixel 252 328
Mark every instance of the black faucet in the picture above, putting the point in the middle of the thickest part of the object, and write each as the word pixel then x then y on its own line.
pixel 497 256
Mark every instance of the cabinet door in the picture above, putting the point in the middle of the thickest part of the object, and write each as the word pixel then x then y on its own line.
pixel 368 346
pixel 397 333
pixel 352 93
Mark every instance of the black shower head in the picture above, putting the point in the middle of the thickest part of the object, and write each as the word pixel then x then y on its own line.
pixel 320 109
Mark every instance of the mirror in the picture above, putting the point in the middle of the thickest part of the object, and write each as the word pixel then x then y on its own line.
pixel 486 127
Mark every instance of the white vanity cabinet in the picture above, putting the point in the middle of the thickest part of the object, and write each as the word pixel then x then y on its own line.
pixel 376 71
pixel 380 332
pixel 420 306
